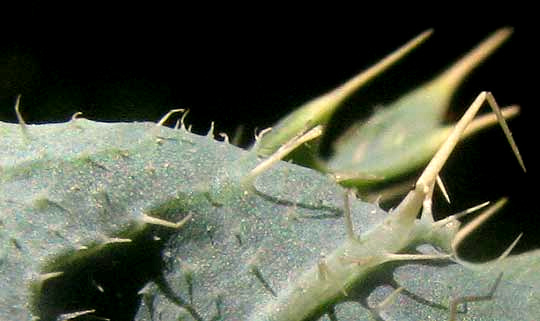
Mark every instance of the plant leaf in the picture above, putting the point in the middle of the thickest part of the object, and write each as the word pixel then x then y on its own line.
pixel 319 110
pixel 405 135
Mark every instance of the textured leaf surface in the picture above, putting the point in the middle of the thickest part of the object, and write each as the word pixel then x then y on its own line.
pixel 72 192
pixel 279 240
pixel 516 298
pixel 64 199
pixel 69 189
pixel 427 295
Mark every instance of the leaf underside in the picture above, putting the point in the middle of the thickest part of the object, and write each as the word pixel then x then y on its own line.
pixel 65 200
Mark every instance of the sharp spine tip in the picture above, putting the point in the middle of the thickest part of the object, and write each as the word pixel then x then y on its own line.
pixel 157 221
pixel 167 115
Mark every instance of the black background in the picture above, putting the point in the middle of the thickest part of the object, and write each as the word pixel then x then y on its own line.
pixel 251 65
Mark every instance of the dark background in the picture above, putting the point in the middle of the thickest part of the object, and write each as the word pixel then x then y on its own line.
pixel 250 66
